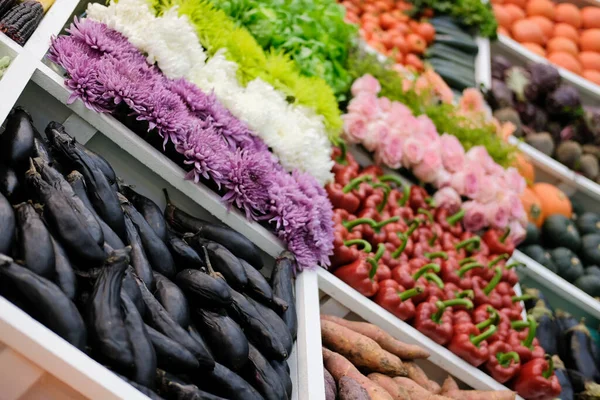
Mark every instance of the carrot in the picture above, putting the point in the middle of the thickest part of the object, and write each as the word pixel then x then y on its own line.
pixel 418 375
pixel 450 389
pixel 339 367
pixel 397 392
pixel 360 350
pixel 416 391
pixel 384 339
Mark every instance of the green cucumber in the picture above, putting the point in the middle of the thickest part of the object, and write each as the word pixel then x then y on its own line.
pixel 444 30
pixel 457 69
pixel 444 51
pixel 453 79
pixel 469 47
pixel 448 58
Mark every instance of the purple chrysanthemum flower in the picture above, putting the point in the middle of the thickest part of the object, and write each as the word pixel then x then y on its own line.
pixel 101 38
pixel 83 81
pixel 247 180
pixel 301 245
pixel 194 98
pixel 64 49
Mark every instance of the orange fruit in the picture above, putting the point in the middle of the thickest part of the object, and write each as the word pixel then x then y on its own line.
pixel 527 31
pixel 565 30
pixel 545 8
pixel 502 16
pixel 427 31
pixel 544 23
pixel 590 60
pixel 561 44
pixel 592 76
pixel 566 61
pixel 535 48
pixel 590 17
pixel 568 13
pixel 413 61
pixel 590 40
pixel 503 31
pixel 519 3
pixel 515 12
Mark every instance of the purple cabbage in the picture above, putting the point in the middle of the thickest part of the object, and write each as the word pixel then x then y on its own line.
pixel 564 102
pixel 543 79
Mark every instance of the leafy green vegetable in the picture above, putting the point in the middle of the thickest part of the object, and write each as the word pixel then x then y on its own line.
pixel 312 32
pixel 444 116
pixel 472 13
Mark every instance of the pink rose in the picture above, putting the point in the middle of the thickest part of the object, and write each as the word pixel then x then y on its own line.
pixel 376 132
pixel 365 104
pixel 453 153
pixel 514 180
pixel 466 182
pixel 447 198
pixel 366 84
pixel 443 178
pixel 496 170
pixel 487 189
pixel 497 215
pixel 426 128
pixel 384 104
pixel 480 157
pixel 515 207
pixel 355 127
pixel 426 170
pixel 389 151
pixel 413 151
pixel 475 216
pixel 517 232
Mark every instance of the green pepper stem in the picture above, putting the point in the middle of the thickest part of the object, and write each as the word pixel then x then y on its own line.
pixel 437 254
pixel 463 270
pixel 548 372
pixel 342 157
pixel 518 325
pixel 391 178
pixel 424 269
pixel 353 184
pixel 476 340
pixel 504 235
pixel 374 267
pixel 405 195
pixel 402 246
pixel 366 246
pixel 430 202
pixel 434 279
pixel 494 282
pixel 454 218
pixel 407 294
pixel 505 359
pixel 531 334
pixel 359 221
pixel 432 240
pixel 386 192
pixel 442 305
pixel 484 324
pixel 496 260
pixel 465 294
pixel 412 227
pixel 426 212
pixel 474 241
pixel 466 261
pixel 514 264
pixel 380 251
pixel 377 227
pixel 523 297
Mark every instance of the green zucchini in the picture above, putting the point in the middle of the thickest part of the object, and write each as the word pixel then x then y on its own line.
pixel 469 46
pixel 457 69
pixel 454 80
pixel 446 30
pixel 447 23
pixel 462 62
pixel 439 49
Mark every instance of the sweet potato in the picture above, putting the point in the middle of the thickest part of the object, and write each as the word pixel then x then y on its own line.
pixel 390 386
pixel 449 385
pixel 450 389
pixel 418 375
pixel 360 350
pixel 351 390
pixel 384 339
pixel 416 391
pixel 330 388
pixel 339 367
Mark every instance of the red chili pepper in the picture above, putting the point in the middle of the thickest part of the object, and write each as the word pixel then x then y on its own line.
pixel 383 271
pixel 372 170
pixel 340 215
pixel 470 344
pixel 360 226
pixel 343 161
pixel 461 317
pixel 510 275
pixel 503 364
pixel 342 196
pixel 528 348
pixel 448 270
pixel 416 198
pixel 487 294
pixel 396 299
pixel 394 233
pixel 450 223
pixel 498 242
pixel 463 275
pixel 537 380
pixel 469 245
pixel 434 318
pixel 361 275
pixel 452 291
pixel 404 276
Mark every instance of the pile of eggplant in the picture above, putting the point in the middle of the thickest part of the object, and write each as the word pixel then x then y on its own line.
pixel 173 304
pixel 575 352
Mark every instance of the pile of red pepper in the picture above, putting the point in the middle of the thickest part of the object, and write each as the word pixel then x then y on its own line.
pixel 415 260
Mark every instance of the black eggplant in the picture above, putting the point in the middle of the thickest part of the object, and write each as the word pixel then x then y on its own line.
pixel 536 295
pixel 203 288
pixel 579 356
pixel 142 389
pixel 139 260
pixel 255 328
pixel 564 321
pixel 223 261
pixel 591 392
pixel 159 318
pixel 40 149
pixel 144 358
pixel 7 222
pixel 77 182
pixel 546 331
pixel 54 309
pixel 16 143
pixel 260 374
pixel 235 242
pixel 185 257
pixel 174 388
pixel 195 334
pixel 149 210
pixel 131 289
pixel 282 282
pixel 563 378
pixel 172 299
pixel 224 336
pixel 259 288
pixel 35 244
pixel 271 318
pixel 57 137
pixel 283 370
pixel 65 277
pixel 157 251
pixel 224 382
pixel 171 355
pixel 10 185
pixel 70 225
pixel 105 318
